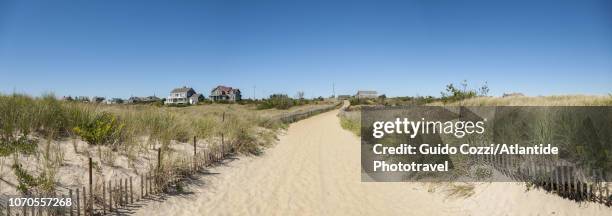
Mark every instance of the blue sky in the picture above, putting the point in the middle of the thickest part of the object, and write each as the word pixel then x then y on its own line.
pixel 123 48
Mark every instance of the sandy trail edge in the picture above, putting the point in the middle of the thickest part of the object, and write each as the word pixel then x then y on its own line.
pixel 314 170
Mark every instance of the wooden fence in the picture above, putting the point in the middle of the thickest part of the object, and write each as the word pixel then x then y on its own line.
pixel 556 176
pixel 293 117
pixel 119 194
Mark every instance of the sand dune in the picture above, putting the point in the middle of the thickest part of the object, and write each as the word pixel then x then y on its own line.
pixel 315 170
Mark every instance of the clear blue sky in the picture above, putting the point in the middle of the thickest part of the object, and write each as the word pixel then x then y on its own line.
pixel 122 48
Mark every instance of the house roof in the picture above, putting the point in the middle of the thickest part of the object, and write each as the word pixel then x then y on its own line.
pixel 223 88
pixel 226 89
pixel 366 92
pixel 182 89
pixel 195 95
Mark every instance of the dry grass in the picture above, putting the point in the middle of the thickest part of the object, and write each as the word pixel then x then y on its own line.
pixel 564 100
pixel 38 126
pixel 351 121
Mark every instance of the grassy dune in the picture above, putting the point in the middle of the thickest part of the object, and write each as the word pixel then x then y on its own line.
pixel 350 119
pixel 43 141
pixel 563 100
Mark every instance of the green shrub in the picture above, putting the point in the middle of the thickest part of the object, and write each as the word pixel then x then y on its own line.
pixel 26 181
pixel 453 93
pixel 278 101
pixel 351 124
pixel 51 116
pixel 103 129
pixel 17 117
pixel 22 145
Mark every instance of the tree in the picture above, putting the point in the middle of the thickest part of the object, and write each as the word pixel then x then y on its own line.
pixel 300 95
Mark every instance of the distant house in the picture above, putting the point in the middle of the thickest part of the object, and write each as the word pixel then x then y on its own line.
pixel 150 99
pixel 344 97
pixel 366 94
pixel 114 101
pixel 513 94
pixel 181 96
pixel 96 99
pixel 81 99
pixel 132 100
pixel 224 93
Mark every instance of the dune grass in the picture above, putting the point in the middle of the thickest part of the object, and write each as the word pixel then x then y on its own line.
pixel 351 121
pixel 36 126
pixel 562 100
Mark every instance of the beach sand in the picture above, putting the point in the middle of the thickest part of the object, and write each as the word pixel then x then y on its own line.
pixel 314 169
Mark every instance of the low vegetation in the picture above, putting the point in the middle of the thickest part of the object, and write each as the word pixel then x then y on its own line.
pixel 351 121
pixel 37 125
pixel 564 100
pixel 282 101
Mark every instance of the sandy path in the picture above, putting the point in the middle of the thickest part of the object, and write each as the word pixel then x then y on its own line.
pixel 314 170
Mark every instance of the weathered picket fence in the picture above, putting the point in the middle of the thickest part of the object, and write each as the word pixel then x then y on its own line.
pixel 293 117
pixel 556 176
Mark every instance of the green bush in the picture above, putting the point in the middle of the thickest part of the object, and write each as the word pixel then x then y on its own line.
pixel 103 129
pixel 26 181
pixel 278 101
pixel 22 145
pixel 453 93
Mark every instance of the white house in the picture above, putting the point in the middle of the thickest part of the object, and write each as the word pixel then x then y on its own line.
pixel 182 95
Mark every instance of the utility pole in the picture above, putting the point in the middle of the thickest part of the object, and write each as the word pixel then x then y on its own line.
pixel 254 92
pixel 334 90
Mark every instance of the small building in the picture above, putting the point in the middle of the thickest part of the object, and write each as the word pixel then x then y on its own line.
pixel 96 99
pixel 150 99
pixel 180 95
pixel 147 99
pixel 114 101
pixel 366 94
pixel 84 99
pixel 224 93
pixel 344 97
pixel 513 94
pixel 196 98
pixel 133 100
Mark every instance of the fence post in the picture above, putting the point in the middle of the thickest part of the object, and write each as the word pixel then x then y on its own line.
pixel 125 192
pixel 575 182
pixel 70 194
pixel 103 197
pixel 549 172
pixel 131 192
pixel 145 178
pixel 159 159
pixel 110 195
pixel 608 197
pixel 122 186
pixel 141 186
pixel 562 174
pixel 85 203
pixel 78 202
pixel 601 184
pixel 195 153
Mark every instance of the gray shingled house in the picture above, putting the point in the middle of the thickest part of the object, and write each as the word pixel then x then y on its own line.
pixel 224 93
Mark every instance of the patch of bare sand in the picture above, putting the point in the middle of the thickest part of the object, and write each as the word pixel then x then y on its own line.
pixel 315 170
